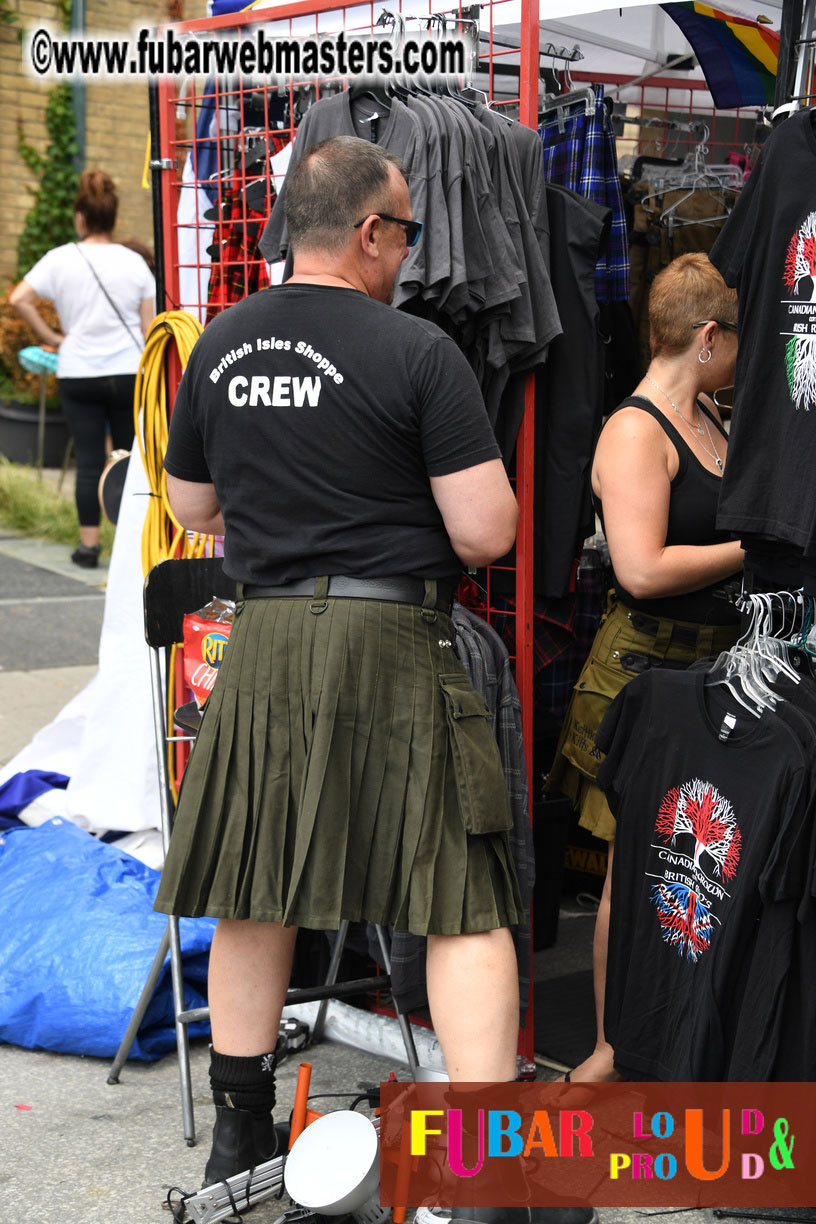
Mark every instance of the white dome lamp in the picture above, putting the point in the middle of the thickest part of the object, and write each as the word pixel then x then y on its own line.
pixel 333 1168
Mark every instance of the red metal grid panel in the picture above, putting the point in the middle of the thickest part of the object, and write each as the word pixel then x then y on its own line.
pixel 217 165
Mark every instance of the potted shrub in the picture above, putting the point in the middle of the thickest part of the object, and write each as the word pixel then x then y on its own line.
pixel 20 395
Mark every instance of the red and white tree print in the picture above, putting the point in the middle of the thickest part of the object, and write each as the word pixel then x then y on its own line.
pixel 697 809
pixel 800 262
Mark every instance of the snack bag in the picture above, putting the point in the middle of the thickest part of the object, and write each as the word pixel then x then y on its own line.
pixel 206 634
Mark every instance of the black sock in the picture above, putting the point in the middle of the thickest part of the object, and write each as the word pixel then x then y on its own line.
pixel 243 1083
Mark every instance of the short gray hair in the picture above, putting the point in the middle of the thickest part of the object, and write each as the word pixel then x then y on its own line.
pixel 334 185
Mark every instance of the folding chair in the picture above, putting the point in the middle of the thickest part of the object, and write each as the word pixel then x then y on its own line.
pixel 172 589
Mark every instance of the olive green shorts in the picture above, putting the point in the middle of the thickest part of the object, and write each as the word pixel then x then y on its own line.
pixel 345 768
pixel 620 651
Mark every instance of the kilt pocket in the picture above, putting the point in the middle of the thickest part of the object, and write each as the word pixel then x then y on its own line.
pixel 596 687
pixel 483 797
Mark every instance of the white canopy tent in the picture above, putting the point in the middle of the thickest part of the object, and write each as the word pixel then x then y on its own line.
pixel 631 40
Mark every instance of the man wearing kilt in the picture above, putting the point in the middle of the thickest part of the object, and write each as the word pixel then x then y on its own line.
pixel 344 767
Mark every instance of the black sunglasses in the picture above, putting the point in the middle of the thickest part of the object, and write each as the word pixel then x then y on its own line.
pixel 719 322
pixel 412 228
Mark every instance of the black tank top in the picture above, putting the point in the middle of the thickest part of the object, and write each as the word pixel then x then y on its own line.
pixel 692 517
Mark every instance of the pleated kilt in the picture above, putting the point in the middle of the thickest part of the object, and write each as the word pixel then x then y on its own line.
pixel 341 771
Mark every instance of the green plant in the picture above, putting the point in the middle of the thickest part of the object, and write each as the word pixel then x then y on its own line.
pixel 35 508
pixel 15 334
pixel 50 222
pixel 7 17
pixel 11 393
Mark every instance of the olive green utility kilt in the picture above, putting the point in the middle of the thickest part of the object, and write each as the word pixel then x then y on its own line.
pixel 626 644
pixel 344 768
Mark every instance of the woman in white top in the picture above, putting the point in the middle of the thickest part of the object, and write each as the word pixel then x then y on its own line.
pixel 104 294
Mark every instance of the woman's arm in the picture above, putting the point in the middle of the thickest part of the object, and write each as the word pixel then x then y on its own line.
pixel 632 471
pixel 22 298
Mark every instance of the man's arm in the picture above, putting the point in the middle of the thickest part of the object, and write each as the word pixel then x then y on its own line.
pixel 195 505
pixel 479 510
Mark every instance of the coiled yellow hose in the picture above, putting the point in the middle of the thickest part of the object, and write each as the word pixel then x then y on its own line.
pixel 162 536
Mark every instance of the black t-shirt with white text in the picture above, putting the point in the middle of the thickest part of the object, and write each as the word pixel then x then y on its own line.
pixel 319 415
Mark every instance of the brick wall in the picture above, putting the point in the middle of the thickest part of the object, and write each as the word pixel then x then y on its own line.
pixel 116 118
pixel 20 99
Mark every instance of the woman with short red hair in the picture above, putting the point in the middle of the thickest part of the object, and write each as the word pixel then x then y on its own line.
pixel 656 481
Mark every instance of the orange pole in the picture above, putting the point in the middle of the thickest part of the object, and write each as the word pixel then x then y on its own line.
pixel 301 1094
pixel 403 1176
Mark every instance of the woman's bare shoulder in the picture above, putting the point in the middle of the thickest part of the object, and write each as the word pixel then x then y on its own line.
pixel 631 422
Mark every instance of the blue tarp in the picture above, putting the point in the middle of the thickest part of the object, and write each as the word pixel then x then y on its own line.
pixel 79 939
pixel 22 789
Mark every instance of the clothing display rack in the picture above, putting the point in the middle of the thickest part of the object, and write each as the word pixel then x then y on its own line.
pixel 797 57
pixel 170 152
pixel 295 19
pixel 668 125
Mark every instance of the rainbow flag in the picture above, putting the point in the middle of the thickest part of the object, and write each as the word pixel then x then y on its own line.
pixel 738 57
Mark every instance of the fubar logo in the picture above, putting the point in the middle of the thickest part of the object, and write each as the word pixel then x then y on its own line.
pixel 617 1145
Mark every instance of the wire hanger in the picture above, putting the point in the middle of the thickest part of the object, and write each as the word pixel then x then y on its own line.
pixel 751 667
pixel 736 669
pixel 560 103
pixel 569 96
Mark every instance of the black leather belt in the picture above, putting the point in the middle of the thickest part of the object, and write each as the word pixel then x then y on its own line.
pixel 397 589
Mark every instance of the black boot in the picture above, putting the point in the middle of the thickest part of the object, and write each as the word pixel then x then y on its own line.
pixel 241 1140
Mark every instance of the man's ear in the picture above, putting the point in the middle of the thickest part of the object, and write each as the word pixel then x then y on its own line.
pixel 370 232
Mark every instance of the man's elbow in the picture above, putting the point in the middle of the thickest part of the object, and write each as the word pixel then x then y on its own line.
pixel 194 507
pixel 488 544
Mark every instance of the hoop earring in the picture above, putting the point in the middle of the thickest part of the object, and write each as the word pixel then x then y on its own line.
pixel 704 360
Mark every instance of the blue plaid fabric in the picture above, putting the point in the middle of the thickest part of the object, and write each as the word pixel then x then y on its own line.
pixel 579 153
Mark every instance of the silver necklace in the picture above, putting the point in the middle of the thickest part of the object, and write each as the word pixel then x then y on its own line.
pixel 698 428
pixel 712 452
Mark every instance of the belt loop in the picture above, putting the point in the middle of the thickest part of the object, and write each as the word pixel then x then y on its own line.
pixel 705 641
pixel 662 639
pixel 321 589
pixel 429 601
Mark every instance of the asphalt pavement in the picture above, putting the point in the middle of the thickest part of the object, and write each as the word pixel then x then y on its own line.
pixel 76 1149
